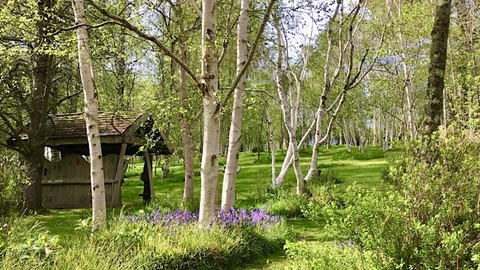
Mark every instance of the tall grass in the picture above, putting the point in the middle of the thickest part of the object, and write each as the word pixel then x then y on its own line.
pixel 141 245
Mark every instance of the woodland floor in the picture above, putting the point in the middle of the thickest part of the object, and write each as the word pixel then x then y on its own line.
pixel 355 167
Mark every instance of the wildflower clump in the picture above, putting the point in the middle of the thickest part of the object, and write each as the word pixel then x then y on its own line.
pixel 255 218
pixel 226 218
pixel 176 242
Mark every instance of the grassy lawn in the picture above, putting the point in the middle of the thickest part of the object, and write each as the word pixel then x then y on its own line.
pixel 254 177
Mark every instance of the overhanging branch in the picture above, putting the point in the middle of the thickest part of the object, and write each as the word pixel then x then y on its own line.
pixel 125 23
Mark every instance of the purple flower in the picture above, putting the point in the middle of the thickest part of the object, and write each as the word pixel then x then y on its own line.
pixel 226 218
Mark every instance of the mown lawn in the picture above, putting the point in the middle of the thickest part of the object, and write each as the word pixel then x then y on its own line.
pixel 254 177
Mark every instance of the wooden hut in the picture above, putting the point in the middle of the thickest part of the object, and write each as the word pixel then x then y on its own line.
pixel 66 183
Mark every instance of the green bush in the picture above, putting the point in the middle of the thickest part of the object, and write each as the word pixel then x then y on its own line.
pixel 289 207
pixel 328 177
pixel 431 219
pixel 12 176
pixel 338 255
pixel 283 201
pixel 326 202
pixel 264 159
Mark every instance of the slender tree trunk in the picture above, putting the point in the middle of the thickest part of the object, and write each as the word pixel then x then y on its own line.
pixel 235 135
pixel 438 61
pixel 289 112
pixel 286 112
pixel 346 135
pixel 385 137
pixel 188 147
pixel 259 141
pixel 319 137
pixel 271 141
pixel 408 95
pixel 211 116
pixel 374 127
pixel 99 212
pixel 344 62
pixel 287 163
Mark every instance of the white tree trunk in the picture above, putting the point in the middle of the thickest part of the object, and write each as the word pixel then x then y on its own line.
pixel 211 116
pixel 234 138
pixel 289 107
pixel 99 212
pixel 408 96
pixel 319 137
pixel 271 141
pixel 287 163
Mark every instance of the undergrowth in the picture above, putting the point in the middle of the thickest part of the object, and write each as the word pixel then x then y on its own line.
pixel 144 244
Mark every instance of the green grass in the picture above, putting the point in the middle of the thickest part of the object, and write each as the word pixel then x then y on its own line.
pixel 254 177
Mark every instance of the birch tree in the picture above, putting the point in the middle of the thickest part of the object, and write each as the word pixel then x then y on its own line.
pixel 289 94
pixel 207 85
pixel 344 68
pixel 353 76
pixel 99 212
pixel 234 140
pixel 211 115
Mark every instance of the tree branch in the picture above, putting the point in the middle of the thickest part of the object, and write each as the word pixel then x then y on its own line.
pixel 250 53
pixel 195 7
pixel 74 27
pixel 63 99
pixel 9 147
pixel 263 92
pixel 125 23
pixel 15 134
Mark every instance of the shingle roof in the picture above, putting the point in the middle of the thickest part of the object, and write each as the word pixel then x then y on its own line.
pixel 73 125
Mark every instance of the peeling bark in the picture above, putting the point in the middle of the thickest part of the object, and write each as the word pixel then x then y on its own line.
pixel 235 135
pixel 211 116
pixel 99 212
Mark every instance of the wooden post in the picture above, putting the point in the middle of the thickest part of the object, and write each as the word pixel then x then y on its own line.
pixel 119 173
pixel 150 175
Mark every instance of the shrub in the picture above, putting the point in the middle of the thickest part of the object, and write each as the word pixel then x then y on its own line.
pixel 326 202
pixel 235 237
pixel 328 177
pixel 12 176
pixel 337 255
pixel 289 207
pixel 264 159
pixel 283 201
pixel 431 219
